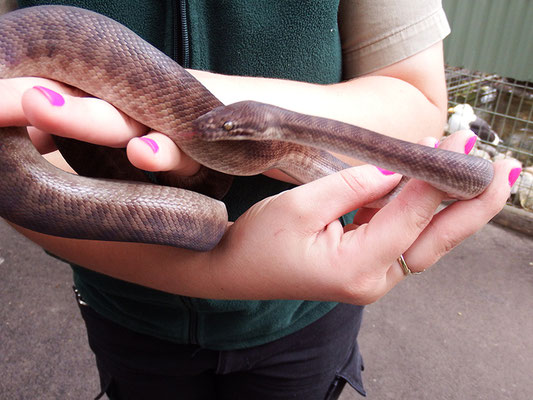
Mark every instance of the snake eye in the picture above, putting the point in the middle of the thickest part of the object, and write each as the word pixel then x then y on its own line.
pixel 228 126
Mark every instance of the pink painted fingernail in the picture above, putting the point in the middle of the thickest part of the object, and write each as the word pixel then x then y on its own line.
pixel 470 144
pixel 513 175
pixel 54 98
pixel 150 142
pixel 385 171
pixel 437 144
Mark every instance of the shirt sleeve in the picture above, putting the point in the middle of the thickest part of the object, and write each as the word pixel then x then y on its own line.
pixel 378 33
pixel 7 5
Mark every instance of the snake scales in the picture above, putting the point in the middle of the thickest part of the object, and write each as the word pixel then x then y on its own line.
pixel 106 60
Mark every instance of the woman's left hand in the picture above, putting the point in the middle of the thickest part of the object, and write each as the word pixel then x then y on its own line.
pixel 292 246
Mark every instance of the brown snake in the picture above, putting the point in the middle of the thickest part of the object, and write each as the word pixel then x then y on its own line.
pixel 105 59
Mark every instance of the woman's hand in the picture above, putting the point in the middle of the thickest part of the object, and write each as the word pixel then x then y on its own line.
pixel 292 245
pixel 47 106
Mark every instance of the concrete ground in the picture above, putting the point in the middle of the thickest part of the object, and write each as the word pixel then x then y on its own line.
pixel 462 330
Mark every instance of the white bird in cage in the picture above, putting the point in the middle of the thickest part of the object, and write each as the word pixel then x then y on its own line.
pixel 463 117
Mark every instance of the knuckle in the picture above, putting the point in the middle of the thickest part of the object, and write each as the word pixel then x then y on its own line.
pixel 447 241
pixel 361 292
pixel 291 201
pixel 494 207
pixel 356 183
pixel 491 210
pixel 422 217
pixel 418 215
pixel 362 287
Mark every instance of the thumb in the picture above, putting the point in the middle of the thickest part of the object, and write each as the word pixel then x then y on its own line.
pixel 325 200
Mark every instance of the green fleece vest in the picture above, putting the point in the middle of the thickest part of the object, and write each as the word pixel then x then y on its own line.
pixel 290 39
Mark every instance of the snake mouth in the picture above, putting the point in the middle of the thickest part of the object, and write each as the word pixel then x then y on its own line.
pixel 219 134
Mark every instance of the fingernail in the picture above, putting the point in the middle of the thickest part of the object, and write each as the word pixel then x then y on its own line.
pixel 150 142
pixel 437 143
pixel 513 175
pixel 385 171
pixel 53 97
pixel 470 144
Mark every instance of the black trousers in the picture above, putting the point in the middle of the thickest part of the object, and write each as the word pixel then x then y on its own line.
pixel 313 363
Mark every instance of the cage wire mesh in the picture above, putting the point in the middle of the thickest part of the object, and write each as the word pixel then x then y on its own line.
pixel 507 106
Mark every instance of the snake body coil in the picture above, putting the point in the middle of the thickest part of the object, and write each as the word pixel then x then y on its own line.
pixel 105 59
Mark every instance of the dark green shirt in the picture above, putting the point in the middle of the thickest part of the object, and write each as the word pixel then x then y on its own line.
pixel 291 39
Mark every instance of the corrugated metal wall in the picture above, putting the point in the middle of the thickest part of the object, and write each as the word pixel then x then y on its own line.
pixel 494 36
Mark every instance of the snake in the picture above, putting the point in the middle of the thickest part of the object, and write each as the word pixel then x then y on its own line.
pixel 101 57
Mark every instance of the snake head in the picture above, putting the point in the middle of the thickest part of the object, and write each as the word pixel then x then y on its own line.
pixel 246 120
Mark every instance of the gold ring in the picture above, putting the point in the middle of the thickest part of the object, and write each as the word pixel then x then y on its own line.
pixel 403 264
pixel 405 268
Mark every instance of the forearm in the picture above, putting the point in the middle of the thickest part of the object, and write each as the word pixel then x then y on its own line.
pixel 160 267
pixel 384 104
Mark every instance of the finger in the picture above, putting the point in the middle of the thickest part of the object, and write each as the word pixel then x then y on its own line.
pixel 364 215
pixel 320 202
pixel 462 219
pixel 83 118
pixel 57 159
pixel 157 152
pixel 42 141
pixel 464 139
pixel 11 112
pixel 395 227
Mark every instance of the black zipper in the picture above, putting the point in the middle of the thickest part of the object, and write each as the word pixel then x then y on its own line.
pixel 182 49
pixel 181 54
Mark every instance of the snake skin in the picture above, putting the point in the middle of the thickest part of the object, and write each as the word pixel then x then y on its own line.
pixel 105 59
pixel 459 175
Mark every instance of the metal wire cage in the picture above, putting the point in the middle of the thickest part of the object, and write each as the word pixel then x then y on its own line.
pixel 507 106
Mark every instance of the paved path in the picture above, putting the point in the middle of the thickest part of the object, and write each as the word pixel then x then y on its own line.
pixel 463 330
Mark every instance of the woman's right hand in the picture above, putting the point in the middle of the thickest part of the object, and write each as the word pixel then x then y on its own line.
pixel 47 106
